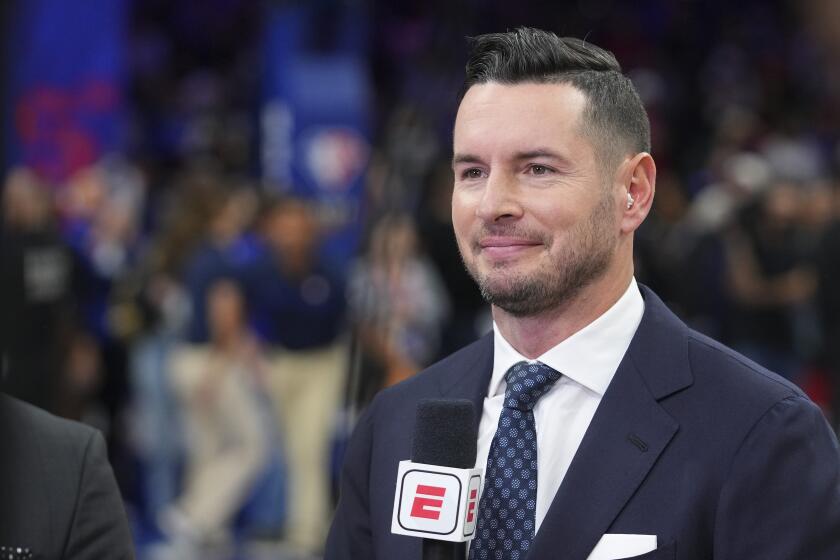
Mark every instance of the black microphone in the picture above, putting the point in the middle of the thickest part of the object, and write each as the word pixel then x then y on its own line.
pixel 445 434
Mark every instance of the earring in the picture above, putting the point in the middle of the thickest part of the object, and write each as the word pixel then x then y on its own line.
pixel 629 201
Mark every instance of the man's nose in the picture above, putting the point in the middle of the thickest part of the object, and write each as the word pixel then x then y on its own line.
pixel 500 199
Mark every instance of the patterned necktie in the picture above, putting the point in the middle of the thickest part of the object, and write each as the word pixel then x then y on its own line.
pixel 506 518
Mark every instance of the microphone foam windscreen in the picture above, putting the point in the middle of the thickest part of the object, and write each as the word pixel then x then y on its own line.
pixel 445 433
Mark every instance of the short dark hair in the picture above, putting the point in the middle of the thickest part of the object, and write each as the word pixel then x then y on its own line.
pixel 614 116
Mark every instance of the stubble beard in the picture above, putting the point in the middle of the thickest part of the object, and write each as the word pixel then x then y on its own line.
pixel 588 251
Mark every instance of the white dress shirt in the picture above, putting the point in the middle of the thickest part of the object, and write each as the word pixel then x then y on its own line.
pixel 588 360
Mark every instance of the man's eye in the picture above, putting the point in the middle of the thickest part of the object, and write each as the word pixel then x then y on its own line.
pixel 472 173
pixel 539 170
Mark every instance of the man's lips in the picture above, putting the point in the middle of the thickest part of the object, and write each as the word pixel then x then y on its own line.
pixel 505 246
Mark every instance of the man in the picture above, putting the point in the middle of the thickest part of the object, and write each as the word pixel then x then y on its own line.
pixel 58 497
pixel 297 303
pixel 651 440
pixel 35 282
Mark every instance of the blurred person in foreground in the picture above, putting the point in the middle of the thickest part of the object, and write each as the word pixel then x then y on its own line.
pixel 218 383
pixel 605 422
pixel 58 496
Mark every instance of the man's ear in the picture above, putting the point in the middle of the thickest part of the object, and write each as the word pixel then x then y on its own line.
pixel 639 180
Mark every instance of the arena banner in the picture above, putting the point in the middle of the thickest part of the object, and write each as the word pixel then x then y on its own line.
pixel 65 79
pixel 314 122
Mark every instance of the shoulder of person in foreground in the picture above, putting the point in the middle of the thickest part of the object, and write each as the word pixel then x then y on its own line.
pixel 63 465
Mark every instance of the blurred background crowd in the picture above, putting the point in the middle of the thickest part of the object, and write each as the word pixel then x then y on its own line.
pixel 225 223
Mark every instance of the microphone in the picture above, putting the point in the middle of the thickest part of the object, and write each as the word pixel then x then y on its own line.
pixel 437 490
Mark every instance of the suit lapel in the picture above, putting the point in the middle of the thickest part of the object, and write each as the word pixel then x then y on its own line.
pixel 624 440
pixel 626 437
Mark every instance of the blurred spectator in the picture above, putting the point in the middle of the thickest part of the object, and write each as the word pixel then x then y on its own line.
pixel 226 250
pixel 150 310
pixel 817 212
pixel 828 263
pixel 154 320
pixel 661 245
pixel 742 176
pixel 770 279
pixel 399 305
pixel 81 380
pixel 297 305
pixel 35 291
pixel 296 295
pixel 217 384
pixel 737 179
pixel 100 211
pixel 469 315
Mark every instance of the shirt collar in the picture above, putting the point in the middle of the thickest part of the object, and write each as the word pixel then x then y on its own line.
pixel 590 357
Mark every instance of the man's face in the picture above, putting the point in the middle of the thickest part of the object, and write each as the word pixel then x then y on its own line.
pixel 534 216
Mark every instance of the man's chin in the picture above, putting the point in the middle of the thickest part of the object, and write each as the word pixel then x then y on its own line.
pixel 518 300
pixel 524 307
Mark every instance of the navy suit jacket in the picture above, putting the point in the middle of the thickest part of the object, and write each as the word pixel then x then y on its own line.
pixel 718 457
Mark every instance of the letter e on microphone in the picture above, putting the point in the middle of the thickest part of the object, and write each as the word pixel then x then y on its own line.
pixel 428 502
pixel 471 511
pixel 436 502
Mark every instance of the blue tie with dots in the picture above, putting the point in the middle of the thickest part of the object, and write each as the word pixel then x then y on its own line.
pixel 507 510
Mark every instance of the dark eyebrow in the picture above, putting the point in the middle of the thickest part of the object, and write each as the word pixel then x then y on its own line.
pixel 530 154
pixel 465 158
pixel 541 153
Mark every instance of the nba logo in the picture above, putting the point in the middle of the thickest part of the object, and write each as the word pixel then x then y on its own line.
pixel 436 502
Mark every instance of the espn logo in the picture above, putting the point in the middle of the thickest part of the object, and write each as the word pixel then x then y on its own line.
pixel 473 490
pixel 471 505
pixel 436 502
pixel 427 501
